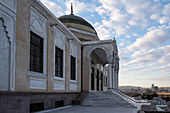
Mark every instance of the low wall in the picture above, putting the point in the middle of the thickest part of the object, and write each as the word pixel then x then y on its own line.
pixel 24 102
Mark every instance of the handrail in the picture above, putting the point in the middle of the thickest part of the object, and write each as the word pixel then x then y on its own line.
pixel 129 99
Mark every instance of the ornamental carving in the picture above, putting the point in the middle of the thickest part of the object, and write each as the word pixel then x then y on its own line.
pixel 73 49
pixel 11 4
pixel 38 23
pixel 59 39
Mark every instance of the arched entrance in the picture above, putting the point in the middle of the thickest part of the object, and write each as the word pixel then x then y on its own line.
pixel 92 78
pixel 98 80
pixel 96 57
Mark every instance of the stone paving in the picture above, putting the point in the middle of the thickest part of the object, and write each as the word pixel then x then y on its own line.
pixel 99 102
pixel 84 109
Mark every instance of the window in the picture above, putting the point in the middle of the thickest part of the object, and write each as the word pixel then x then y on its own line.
pixel 73 68
pixel 36 53
pixel 58 62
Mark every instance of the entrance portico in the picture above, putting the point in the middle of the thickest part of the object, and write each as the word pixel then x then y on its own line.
pixel 97 62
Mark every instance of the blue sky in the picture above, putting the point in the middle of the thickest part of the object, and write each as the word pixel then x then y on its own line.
pixel 142 31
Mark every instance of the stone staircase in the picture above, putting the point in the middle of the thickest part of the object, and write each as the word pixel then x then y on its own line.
pixel 105 99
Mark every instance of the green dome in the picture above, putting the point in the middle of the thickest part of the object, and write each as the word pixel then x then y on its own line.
pixel 77 22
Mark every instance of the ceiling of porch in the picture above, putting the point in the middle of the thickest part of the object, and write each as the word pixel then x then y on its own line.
pixel 99 56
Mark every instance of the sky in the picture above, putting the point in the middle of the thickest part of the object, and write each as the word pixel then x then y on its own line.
pixel 141 29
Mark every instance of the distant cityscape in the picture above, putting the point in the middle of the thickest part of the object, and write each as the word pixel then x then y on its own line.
pixel 143 89
pixel 153 94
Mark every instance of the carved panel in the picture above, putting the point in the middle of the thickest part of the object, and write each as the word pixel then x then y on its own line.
pixel 8 18
pixel 59 39
pixel 37 83
pixel 73 49
pixel 7 23
pixel 10 4
pixel 59 85
pixel 4 59
pixel 38 23
pixel 73 86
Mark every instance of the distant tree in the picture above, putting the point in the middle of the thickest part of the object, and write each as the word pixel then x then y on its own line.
pixel 149 95
pixel 154 94
pixel 167 99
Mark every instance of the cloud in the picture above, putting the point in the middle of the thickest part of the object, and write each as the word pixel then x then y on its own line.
pixel 153 38
pixel 132 69
pixel 164 20
pixel 53 7
pixel 160 55
pixel 138 10
pixel 153 62
pixel 123 15
pixel 166 10
pixel 103 32
pixel 164 68
pixel 78 7
pixel 160 78
pixel 124 58
pixel 121 44
pixel 127 36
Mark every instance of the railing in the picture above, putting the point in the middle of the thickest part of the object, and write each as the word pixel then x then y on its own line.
pixel 132 101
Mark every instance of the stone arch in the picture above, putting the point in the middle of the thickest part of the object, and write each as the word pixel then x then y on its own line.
pixel 107 48
pixel 99 54
pixel 97 47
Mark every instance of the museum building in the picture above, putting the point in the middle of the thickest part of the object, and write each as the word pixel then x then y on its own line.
pixel 48 62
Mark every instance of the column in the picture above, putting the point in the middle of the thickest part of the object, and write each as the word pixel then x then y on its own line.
pixel 110 77
pixel 116 83
pixel 117 80
pixel 95 80
pixel 114 78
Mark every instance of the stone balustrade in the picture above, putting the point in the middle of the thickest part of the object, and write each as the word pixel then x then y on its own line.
pixel 136 103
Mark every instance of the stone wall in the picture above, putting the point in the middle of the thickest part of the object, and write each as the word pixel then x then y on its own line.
pixel 19 102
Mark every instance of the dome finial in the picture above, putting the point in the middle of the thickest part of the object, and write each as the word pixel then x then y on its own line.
pixel 72 9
